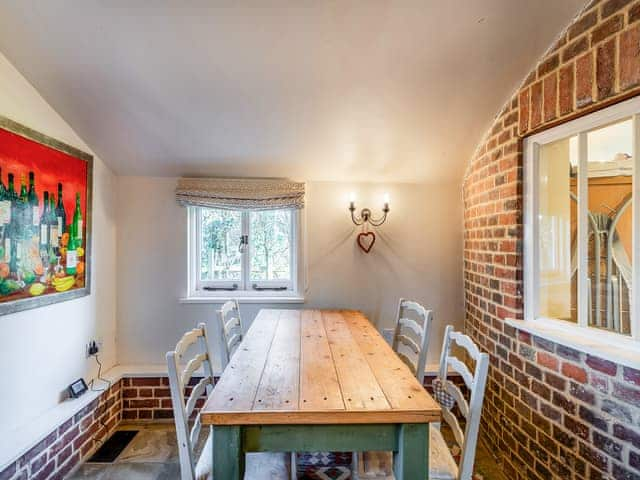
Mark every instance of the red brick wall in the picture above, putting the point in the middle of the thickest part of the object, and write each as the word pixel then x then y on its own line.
pixel 71 443
pixel 146 399
pixel 130 399
pixel 550 411
pixel 149 398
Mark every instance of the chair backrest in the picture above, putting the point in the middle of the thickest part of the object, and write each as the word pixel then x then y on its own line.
pixel 411 335
pixel 180 373
pixel 471 410
pixel 230 330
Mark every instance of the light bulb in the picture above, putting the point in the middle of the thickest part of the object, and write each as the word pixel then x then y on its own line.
pixel 352 200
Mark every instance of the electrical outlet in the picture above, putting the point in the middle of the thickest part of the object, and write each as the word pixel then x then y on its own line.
pixel 92 348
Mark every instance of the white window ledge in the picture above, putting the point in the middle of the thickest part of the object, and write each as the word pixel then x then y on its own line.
pixel 242 299
pixel 607 345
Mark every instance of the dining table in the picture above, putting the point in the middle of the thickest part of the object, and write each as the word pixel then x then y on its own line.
pixel 318 381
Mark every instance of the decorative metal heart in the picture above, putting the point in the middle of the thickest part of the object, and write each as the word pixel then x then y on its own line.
pixel 366 241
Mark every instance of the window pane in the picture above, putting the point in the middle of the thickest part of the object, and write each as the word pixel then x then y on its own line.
pixel 220 258
pixel 269 238
pixel 610 216
pixel 557 226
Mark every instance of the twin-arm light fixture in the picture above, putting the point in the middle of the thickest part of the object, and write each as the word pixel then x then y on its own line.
pixel 365 213
pixel 366 239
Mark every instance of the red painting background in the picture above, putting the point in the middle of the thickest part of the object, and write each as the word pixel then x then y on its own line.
pixel 19 155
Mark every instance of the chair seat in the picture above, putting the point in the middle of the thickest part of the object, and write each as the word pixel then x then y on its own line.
pixel 259 466
pixel 442 466
pixel 379 465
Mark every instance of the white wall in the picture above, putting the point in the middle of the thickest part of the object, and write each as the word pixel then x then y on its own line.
pixel 143 262
pixel 42 350
pixel 416 255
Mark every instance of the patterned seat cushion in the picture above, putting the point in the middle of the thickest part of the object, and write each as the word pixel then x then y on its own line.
pixel 442 466
pixel 441 395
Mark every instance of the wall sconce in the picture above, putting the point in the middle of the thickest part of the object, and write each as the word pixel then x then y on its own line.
pixel 365 213
pixel 366 239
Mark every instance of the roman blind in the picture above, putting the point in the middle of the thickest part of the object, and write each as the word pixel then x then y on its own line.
pixel 240 193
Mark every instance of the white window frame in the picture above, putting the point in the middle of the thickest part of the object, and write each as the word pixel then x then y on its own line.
pixel 629 109
pixel 199 291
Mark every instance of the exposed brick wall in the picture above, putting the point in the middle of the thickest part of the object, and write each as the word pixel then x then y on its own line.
pixel 550 411
pixel 131 399
pixel 65 448
pixel 149 398
pixel 146 399
pixel 71 443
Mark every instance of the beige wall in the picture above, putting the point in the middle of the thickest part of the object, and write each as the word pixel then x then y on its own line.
pixel 43 350
pixel 416 255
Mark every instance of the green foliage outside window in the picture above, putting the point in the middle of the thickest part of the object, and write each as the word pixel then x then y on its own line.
pixel 269 245
pixel 269 238
pixel 219 255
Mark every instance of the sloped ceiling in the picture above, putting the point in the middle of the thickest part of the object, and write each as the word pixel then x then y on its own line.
pixel 368 90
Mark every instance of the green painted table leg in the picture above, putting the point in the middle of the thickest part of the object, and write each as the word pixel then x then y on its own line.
pixel 228 455
pixel 411 460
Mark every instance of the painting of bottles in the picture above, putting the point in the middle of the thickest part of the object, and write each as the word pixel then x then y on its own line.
pixel 45 200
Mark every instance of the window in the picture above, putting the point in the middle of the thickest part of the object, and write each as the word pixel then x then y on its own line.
pixel 581 228
pixel 249 253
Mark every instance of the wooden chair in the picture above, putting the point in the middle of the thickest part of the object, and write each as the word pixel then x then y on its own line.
pixel 472 410
pixel 412 334
pixel 442 466
pixel 260 466
pixel 230 330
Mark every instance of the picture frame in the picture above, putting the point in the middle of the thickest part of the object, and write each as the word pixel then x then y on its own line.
pixel 36 269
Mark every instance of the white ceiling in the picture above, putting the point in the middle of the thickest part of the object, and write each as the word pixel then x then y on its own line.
pixel 318 90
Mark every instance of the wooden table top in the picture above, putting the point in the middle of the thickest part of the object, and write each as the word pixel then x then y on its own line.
pixel 316 367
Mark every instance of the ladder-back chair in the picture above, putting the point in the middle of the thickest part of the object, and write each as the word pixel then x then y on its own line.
pixel 442 466
pixel 259 466
pixel 471 410
pixel 411 335
pixel 179 379
pixel 230 330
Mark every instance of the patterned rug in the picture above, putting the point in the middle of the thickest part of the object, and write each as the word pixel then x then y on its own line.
pixel 337 465
pixel 324 466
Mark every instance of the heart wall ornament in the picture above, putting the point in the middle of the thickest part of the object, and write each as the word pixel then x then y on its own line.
pixel 366 241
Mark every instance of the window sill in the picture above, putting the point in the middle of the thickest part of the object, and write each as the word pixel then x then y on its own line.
pixel 220 299
pixel 606 345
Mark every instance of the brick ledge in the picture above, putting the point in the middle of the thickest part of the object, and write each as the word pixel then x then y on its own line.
pixel 25 437
pixel 36 430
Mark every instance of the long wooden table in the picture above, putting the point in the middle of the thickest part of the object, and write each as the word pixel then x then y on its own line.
pixel 318 380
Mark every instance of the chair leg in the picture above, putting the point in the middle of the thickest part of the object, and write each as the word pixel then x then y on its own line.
pixel 354 465
pixel 294 472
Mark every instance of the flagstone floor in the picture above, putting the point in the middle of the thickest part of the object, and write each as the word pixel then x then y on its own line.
pixel 153 455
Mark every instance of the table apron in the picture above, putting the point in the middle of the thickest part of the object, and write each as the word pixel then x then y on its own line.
pixel 409 443
pixel 320 438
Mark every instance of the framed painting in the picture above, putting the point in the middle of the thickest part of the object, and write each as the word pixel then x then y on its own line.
pixel 45 219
